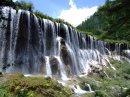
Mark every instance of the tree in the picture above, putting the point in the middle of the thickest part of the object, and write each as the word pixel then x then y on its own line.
pixel 26 6
pixel 113 18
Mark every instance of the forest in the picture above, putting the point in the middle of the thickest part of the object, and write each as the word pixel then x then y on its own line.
pixel 111 22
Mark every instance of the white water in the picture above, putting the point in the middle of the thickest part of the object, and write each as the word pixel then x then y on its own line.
pixel 106 74
pixel 48 68
pixel 90 89
pixel 62 70
pixel 117 52
pixel 110 64
pixel 3 34
pixel 14 32
pixel 78 90
pixel 61 65
pixel 74 64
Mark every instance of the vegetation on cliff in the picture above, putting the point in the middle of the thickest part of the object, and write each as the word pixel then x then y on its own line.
pixel 110 22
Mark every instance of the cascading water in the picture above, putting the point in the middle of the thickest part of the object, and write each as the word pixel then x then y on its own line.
pixel 29 43
pixel 62 71
pixel 117 51
pixel 78 90
pixel 90 89
pixel 48 68
pixel 61 66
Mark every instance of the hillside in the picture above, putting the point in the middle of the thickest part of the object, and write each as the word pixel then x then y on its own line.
pixel 110 22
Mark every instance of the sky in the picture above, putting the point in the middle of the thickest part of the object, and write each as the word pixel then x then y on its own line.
pixel 72 11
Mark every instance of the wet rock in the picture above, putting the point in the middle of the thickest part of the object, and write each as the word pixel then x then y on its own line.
pixel 126 54
pixel 0 73
pixel 112 46
pixel 43 65
pixel 62 41
pixel 123 47
pixel 84 86
pixel 95 70
pixel 102 74
pixel 54 65
pixel 67 69
pixel 62 32
pixel 64 54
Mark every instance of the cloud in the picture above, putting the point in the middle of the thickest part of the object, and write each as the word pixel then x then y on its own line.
pixel 15 0
pixel 75 15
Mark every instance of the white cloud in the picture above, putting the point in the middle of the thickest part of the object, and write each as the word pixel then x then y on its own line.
pixel 75 15
pixel 15 0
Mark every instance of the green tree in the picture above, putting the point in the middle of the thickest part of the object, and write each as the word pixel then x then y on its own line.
pixel 25 5
pixel 111 21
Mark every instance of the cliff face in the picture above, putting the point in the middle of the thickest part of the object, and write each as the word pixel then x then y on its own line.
pixel 32 45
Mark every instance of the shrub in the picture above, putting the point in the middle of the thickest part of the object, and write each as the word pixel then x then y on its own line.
pixel 126 93
pixel 100 93
pixel 3 93
pixel 126 69
pixel 94 84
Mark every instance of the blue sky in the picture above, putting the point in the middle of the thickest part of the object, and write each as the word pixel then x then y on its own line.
pixel 72 11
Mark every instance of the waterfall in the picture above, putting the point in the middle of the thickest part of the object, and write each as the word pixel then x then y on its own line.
pixel 117 51
pixel 62 70
pixel 61 66
pixel 27 43
pixel 106 74
pixel 48 68
pixel 13 35
pixel 90 89
pixel 3 25
pixel 78 90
